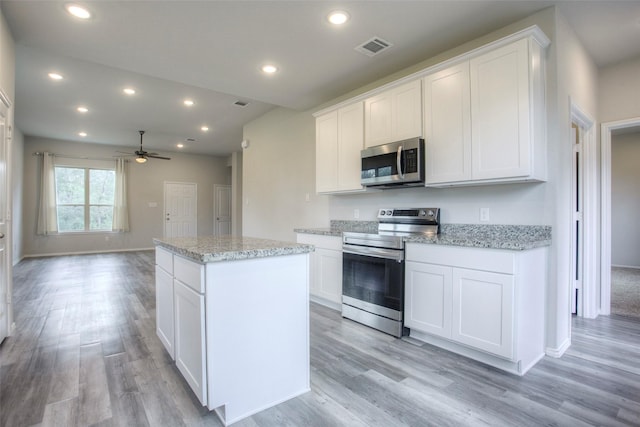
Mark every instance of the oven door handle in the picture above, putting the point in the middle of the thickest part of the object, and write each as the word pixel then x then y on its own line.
pixel 374 252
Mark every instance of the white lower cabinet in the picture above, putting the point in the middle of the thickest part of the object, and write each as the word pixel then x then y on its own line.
pixel 164 300
pixel 482 312
pixel 487 304
pixel 325 272
pixel 428 294
pixel 180 316
pixel 190 339
pixel 164 309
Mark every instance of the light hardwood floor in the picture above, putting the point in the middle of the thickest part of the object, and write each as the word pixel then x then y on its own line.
pixel 85 353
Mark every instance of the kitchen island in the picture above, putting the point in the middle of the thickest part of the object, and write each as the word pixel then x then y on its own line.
pixel 233 313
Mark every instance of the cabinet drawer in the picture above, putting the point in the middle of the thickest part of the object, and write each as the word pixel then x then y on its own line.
pixel 164 259
pixel 325 242
pixel 495 260
pixel 190 273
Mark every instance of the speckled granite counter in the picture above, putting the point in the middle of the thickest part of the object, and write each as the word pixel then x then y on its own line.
pixel 337 227
pixel 206 249
pixel 512 237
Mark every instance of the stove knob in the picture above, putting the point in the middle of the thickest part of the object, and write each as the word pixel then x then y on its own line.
pixel 423 213
pixel 382 212
pixel 389 212
pixel 430 213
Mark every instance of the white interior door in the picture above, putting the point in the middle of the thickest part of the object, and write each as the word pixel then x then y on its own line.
pixel 180 207
pixel 221 209
pixel 577 232
pixel 5 262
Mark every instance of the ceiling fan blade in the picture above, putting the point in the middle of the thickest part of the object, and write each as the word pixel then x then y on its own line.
pixel 158 157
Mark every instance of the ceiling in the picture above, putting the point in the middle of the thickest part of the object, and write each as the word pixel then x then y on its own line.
pixel 212 52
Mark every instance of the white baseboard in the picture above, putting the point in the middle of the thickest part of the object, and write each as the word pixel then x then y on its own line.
pixel 558 351
pixel 88 252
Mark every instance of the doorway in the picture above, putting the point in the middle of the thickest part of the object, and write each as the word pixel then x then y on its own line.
pixel 181 209
pixel 607 129
pixel 585 298
pixel 222 224
pixel 5 227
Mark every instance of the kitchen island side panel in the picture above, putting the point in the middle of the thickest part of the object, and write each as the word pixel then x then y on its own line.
pixel 257 333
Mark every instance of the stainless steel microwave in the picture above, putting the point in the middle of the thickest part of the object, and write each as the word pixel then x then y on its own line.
pixel 395 164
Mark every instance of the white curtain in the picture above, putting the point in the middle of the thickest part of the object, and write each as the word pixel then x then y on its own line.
pixel 120 209
pixel 47 215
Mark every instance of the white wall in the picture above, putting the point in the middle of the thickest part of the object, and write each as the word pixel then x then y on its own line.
pixel 7 84
pixel 145 185
pixel 17 178
pixel 576 80
pixel 625 200
pixel 619 87
pixel 7 60
pixel 278 173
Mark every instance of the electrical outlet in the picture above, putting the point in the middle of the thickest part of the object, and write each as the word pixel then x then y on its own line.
pixel 484 214
pixel 306 197
pixel 356 213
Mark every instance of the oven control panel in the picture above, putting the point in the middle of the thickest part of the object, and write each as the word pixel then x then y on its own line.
pixel 429 215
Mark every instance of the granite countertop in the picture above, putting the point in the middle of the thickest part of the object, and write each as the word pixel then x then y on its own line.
pixel 511 237
pixel 229 248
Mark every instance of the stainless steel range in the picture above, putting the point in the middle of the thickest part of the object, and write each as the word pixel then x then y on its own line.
pixel 373 267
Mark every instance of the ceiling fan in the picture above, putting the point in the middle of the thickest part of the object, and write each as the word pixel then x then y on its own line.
pixel 141 155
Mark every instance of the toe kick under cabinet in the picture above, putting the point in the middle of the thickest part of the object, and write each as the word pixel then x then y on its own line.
pixel 486 304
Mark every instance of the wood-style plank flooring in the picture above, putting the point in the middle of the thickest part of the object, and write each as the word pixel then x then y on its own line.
pixel 85 353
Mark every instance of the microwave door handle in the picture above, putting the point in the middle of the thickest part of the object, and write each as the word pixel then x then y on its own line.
pixel 399 162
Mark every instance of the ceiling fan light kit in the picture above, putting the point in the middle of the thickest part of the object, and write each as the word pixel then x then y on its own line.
pixel 141 155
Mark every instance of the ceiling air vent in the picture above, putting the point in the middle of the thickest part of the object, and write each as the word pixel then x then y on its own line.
pixel 373 46
pixel 241 103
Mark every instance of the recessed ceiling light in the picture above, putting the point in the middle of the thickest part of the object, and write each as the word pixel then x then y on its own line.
pixel 338 17
pixel 204 128
pixel 55 76
pixel 129 91
pixel 188 102
pixel 82 134
pixel 78 11
pixel 180 145
pixel 269 69
pixel 82 109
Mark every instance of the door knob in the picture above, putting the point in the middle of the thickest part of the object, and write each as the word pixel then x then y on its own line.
pixel 1 235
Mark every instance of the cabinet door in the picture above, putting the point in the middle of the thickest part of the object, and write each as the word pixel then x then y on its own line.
pixel 377 119
pixel 329 275
pixel 327 152
pixel 428 296
pixel 407 111
pixel 482 314
pixel 350 143
pixel 190 343
pixel 164 309
pixel 447 125
pixel 500 108
pixel 393 115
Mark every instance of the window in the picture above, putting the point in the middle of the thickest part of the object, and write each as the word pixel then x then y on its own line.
pixel 84 199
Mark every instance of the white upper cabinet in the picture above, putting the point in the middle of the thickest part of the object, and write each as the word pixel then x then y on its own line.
pixel 485 118
pixel 393 115
pixel 482 114
pixel 447 125
pixel 339 140
pixel 501 113
pixel 327 152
